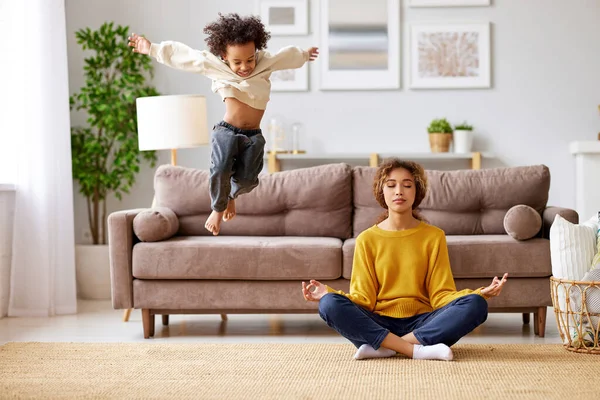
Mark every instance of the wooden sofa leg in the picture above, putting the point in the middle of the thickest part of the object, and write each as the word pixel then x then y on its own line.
pixel 152 325
pixel 126 315
pixel 223 317
pixel 526 318
pixel 275 325
pixel 148 322
pixel 540 322
pixel 165 319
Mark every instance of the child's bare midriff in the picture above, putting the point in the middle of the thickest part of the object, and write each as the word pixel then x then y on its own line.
pixel 242 115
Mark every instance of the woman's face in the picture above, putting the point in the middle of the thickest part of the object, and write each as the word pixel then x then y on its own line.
pixel 399 191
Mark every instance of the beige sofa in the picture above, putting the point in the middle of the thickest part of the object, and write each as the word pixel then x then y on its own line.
pixel 301 224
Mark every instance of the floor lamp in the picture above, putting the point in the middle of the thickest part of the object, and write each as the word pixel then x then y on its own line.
pixel 170 123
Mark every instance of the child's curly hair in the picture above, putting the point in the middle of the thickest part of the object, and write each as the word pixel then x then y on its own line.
pixel 418 173
pixel 231 29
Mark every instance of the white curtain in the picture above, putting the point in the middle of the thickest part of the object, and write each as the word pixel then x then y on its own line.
pixel 38 135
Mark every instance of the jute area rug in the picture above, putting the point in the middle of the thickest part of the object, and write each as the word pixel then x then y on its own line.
pixel 290 371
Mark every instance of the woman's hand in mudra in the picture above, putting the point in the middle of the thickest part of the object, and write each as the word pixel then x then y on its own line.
pixel 495 288
pixel 313 291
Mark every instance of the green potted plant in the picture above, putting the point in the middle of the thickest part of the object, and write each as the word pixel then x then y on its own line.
pixel 440 135
pixel 463 138
pixel 105 155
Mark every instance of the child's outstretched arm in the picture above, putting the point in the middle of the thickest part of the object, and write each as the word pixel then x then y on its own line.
pixel 180 56
pixel 289 57
pixel 139 43
pixel 173 54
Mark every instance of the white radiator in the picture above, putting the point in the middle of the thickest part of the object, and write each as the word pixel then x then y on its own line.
pixel 7 208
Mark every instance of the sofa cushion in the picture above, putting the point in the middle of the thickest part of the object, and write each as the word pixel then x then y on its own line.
pixel 233 257
pixel 522 222
pixel 226 296
pixel 348 257
pixel 518 292
pixel 486 256
pixel 154 224
pixel 462 202
pixel 314 201
pixel 239 296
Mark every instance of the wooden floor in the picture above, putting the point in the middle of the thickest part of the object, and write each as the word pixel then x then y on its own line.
pixel 98 322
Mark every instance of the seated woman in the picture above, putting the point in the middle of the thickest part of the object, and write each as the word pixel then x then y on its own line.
pixel 402 298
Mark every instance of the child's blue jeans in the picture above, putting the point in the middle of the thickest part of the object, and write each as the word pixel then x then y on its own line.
pixel 444 325
pixel 235 162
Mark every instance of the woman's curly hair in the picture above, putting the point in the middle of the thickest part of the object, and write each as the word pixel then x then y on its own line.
pixel 231 29
pixel 418 174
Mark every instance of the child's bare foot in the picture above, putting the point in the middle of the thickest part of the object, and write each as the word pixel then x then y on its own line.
pixel 213 223
pixel 230 211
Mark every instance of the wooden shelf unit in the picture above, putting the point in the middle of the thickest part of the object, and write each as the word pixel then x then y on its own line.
pixel 274 159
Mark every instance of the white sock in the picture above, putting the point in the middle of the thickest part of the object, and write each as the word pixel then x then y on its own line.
pixel 365 351
pixel 436 352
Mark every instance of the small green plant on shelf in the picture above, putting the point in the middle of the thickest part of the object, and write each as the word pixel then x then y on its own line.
pixel 440 126
pixel 463 127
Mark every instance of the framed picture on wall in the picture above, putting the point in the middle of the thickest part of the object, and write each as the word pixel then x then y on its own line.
pixel 446 56
pixel 290 80
pixel 448 3
pixel 360 44
pixel 284 17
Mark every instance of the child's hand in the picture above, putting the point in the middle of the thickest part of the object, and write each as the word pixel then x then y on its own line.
pixel 139 43
pixel 313 52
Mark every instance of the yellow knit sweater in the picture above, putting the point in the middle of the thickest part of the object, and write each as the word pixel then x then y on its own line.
pixel 402 273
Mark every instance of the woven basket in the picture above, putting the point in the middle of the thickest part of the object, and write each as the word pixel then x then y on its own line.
pixel 578 326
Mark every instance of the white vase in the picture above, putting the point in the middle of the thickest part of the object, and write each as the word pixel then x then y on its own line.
pixel 463 141
pixel 92 267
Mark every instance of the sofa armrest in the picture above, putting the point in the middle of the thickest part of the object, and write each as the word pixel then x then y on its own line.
pixel 551 212
pixel 120 249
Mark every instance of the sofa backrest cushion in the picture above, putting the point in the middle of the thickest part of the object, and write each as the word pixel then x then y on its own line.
pixel 462 202
pixel 314 201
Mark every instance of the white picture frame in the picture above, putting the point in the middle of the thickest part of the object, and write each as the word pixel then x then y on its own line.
pixel 284 17
pixel 343 65
pixel 449 3
pixel 473 70
pixel 290 80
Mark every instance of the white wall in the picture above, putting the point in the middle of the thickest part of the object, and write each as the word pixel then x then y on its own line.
pixel 544 73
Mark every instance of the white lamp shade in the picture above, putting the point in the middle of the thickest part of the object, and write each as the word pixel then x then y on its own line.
pixel 171 122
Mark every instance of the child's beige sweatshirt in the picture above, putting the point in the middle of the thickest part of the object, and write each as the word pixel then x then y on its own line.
pixel 253 90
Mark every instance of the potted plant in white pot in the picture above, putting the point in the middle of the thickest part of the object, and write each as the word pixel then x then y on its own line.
pixel 105 155
pixel 463 138
pixel 440 135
